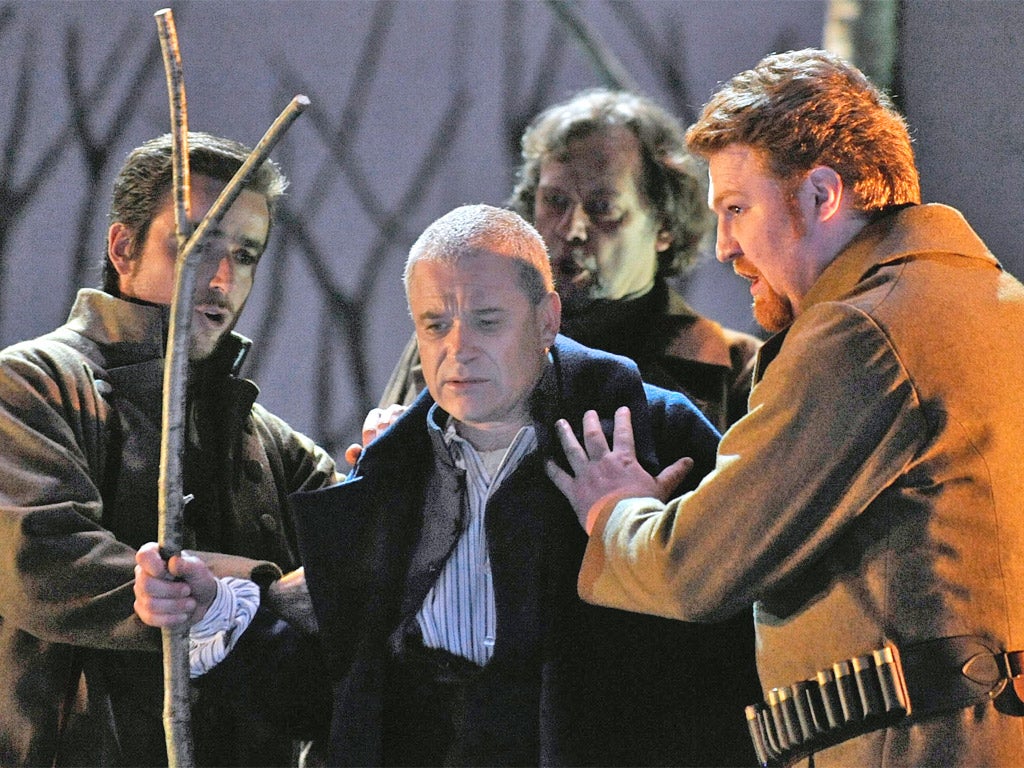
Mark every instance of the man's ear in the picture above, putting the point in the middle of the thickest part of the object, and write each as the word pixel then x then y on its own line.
pixel 663 240
pixel 826 189
pixel 119 247
pixel 550 311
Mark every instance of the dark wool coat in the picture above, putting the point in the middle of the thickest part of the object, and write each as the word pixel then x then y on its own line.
pixel 576 683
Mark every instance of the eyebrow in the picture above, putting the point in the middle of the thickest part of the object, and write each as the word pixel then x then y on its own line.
pixel 245 242
pixel 489 311
pixel 430 314
pixel 720 196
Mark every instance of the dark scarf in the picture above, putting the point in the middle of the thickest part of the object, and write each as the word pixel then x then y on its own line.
pixel 618 326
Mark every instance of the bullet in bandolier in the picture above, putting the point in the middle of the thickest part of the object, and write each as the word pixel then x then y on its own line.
pixel 868 686
pixel 804 707
pixel 846 687
pixel 794 734
pixel 890 679
pixel 830 697
pixel 779 724
pixel 757 734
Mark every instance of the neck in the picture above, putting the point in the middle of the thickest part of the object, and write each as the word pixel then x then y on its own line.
pixel 833 242
pixel 611 325
pixel 488 437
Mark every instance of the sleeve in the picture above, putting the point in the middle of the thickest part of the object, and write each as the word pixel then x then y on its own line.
pixel 304 466
pixel 834 422
pixel 65 577
pixel 230 614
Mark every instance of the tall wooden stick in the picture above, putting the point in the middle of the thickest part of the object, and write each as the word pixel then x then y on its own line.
pixel 177 711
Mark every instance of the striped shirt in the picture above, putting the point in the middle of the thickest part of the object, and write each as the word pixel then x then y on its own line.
pixel 458 614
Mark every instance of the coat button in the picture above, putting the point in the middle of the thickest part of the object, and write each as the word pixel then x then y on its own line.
pixel 268 521
pixel 254 470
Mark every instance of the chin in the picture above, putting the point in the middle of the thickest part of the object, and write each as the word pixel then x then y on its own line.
pixel 772 316
pixel 202 349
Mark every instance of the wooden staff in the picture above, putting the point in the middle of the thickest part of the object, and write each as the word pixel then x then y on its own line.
pixel 170 500
pixel 177 711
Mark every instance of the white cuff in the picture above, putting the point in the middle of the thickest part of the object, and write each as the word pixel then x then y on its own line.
pixel 230 614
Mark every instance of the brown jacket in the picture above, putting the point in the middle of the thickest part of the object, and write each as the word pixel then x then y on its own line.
pixel 80 676
pixel 872 496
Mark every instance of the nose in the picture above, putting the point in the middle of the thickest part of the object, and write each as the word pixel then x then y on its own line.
pixel 578 222
pixel 726 247
pixel 223 278
pixel 460 340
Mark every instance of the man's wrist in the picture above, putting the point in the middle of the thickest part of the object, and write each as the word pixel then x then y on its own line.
pixel 229 615
pixel 600 511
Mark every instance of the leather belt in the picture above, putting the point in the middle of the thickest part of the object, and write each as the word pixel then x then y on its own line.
pixel 865 693
pixel 436 664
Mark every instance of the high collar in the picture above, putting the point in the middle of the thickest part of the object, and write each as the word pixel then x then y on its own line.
pixel 140 330
pixel 916 229
pixel 659 323
pixel 888 239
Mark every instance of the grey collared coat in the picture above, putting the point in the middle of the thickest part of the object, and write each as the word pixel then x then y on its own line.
pixel 80 675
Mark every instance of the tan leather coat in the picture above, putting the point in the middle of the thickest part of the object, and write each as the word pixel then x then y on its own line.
pixel 873 494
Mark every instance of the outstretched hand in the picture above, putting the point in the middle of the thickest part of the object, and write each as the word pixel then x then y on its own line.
pixel 173 593
pixel 600 472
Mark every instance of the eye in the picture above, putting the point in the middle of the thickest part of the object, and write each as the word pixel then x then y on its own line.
pixel 735 210
pixel 247 258
pixel 555 201
pixel 434 326
pixel 603 211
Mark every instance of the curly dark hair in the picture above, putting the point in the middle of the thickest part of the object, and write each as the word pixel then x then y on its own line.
pixel 673 183
pixel 144 183
pixel 805 108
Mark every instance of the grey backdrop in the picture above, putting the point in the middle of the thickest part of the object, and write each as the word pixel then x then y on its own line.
pixel 416 108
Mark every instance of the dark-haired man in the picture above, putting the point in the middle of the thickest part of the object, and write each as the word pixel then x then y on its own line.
pixel 80 417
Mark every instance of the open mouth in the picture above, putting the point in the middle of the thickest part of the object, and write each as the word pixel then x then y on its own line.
pixel 214 315
pixel 579 268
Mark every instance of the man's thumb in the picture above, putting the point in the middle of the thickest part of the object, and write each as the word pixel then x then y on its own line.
pixel 671 476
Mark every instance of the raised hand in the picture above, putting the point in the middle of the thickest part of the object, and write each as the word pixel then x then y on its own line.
pixel 374 424
pixel 602 473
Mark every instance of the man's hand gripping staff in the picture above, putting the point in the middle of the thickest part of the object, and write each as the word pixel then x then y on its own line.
pixel 170 490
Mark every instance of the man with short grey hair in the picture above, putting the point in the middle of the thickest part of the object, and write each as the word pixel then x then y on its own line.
pixel 443 571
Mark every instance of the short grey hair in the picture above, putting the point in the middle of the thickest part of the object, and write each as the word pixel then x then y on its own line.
pixel 469 227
